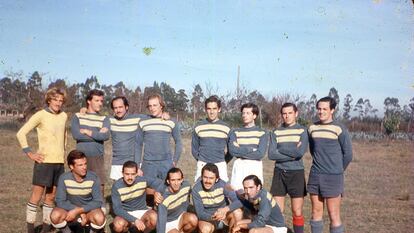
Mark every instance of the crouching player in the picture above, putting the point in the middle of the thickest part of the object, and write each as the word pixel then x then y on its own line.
pixel 129 200
pixel 210 197
pixel 78 196
pixel 172 211
pixel 266 214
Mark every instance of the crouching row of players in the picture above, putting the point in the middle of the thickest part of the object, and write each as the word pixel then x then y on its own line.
pixel 216 204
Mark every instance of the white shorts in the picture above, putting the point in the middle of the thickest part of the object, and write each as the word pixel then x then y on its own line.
pixel 116 172
pixel 173 224
pixel 243 168
pixel 278 229
pixel 222 167
pixel 137 213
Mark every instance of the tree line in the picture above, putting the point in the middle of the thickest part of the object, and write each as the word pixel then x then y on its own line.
pixel 26 94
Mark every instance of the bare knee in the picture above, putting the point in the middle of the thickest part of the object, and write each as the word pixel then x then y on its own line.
pixel 119 224
pixel 152 220
pixel 97 217
pixel 205 227
pixel 57 215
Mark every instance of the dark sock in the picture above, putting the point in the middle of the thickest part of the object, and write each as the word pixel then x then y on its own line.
pixel 316 226
pixel 30 227
pixel 298 222
pixel 46 228
pixel 338 229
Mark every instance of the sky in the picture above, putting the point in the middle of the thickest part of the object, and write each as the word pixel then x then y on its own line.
pixel 360 47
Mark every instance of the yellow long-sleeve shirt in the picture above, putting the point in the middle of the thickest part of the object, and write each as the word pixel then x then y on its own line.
pixel 50 133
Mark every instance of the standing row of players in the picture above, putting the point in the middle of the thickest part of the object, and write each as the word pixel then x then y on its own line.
pixel 212 142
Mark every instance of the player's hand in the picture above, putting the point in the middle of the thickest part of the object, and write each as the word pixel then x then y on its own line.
pixel 158 198
pixel 235 229
pixel 71 215
pixel 220 214
pixel 139 224
pixel 103 130
pixel 165 116
pixel 83 219
pixel 140 172
pixel 83 110
pixel 86 132
pixel 38 158
pixel 300 143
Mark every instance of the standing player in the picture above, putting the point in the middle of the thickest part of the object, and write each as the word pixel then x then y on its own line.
pixel 155 134
pixel 129 200
pixel 78 196
pixel 90 130
pixel 172 211
pixel 331 150
pixel 248 145
pixel 288 144
pixel 49 158
pixel 211 196
pixel 210 138
pixel 267 217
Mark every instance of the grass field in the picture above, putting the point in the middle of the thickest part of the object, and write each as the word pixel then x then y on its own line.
pixel 378 196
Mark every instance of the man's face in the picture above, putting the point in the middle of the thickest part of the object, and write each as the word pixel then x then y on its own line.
pixel 56 103
pixel 79 167
pixel 325 113
pixel 212 111
pixel 250 189
pixel 209 179
pixel 289 116
pixel 247 116
pixel 129 174
pixel 119 108
pixel 175 180
pixel 154 107
pixel 95 104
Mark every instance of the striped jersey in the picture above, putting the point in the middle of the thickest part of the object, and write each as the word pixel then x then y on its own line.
pixel 173 205
pixel 132 197
pixel 124 138
pixel 248 143
pixel 330 147
pixel 207 202
pixel 287 146
pixel 86 194
pixel 266 210
pixel 91 146
pixel 209 141
pixel 155 134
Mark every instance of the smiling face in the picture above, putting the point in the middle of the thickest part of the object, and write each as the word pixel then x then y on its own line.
pixel 212 110
pixel 174 181
pixel 79 167
pixel 56 103
pixel 154 107
pixel 95 104
pixel 325 113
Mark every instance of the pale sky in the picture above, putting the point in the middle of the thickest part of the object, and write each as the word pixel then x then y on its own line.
pixel 365 48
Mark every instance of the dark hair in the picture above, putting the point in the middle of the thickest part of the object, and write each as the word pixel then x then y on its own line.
pixel 173 170
pixel 212 99
pixel 91 93
pixel 74 155
pixel 286 105
pixel 211 167
pixel 255 109
pixel 255 179
pixel 159 97
pixel 130 164
pixel 330 100
pixel 123 98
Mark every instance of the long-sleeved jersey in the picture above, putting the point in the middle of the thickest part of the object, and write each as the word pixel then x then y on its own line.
pixel 173 205
pixel 124 138
pixel 50 133
pixel 209 141
pixel 126 198
pixel 248 143
pixel 268 212
pixel 330 147
pixel 91 146
pixel 207 202
pixel 285 149
pixel 86 194
pixel 155 134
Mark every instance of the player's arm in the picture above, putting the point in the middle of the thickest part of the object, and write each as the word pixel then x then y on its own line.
pixel 21 135
pixel 274 153
pixel 103 133
pixel 139 143
pixel 346 146
pixel 195 145
pixel 176 134
pixel 259 220
pixel 199 207
pixel 117 205
pixel 260 152
pixel 298 151
pixel 235 149
pixel 161 218
pixel 61 196
pixel 75 129
pixel 97 199
pixel 234 201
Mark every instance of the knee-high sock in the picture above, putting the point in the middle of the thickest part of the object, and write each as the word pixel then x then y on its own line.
pixel 31 211
pixel 316 226
pixel 298 223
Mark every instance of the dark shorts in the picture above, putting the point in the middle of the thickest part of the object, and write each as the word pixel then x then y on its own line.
pixel 156 169
pixel 326 185
pixel 288 182
pixel 47 174
pixel 97 165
